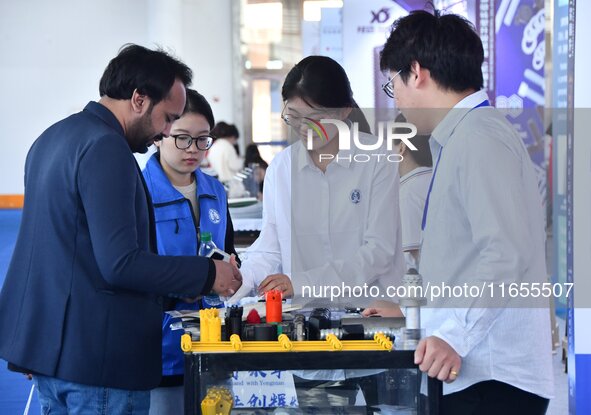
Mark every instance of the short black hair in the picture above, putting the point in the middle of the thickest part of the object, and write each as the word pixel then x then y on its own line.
pixel 223 130
pixel 197 104
pixel 323 81
pixel 252 155
pixel 445 44
pixel 151 72
pixel 319 79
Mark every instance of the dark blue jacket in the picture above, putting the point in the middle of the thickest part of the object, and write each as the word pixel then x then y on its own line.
pixel 176 233
pixel 82 299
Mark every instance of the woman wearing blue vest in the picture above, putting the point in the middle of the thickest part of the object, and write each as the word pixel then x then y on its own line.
pixel 187 203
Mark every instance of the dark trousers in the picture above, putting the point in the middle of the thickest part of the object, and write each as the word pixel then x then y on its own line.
pixel 493 398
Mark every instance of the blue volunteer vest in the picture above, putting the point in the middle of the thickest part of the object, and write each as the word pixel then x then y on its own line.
pixel 177 234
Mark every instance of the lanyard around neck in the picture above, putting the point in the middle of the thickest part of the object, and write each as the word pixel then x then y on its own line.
pixel 484 103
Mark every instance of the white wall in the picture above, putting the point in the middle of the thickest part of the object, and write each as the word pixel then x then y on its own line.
pixel 210 53
pixel 200 32
pixel 53 53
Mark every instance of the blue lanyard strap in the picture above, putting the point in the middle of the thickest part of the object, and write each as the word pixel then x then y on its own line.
pixel 426 208
pixel 484 103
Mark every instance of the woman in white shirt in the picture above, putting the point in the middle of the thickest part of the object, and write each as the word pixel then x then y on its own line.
pixel 222 155
pixel 331 224
pixel 415 176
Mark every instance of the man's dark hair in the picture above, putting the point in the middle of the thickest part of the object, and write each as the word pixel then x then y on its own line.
pixel 224 130
pixel 447 45
pixel 151 72
pixel 196 103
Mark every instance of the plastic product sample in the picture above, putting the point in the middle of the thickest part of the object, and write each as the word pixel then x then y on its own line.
pixel 273 300
pixel 218 401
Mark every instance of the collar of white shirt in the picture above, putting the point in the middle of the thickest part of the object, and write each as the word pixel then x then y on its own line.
pixel 446 127
pixel 415 172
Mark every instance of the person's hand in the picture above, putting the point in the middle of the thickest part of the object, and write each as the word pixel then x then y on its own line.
pixel 227 278
pixel 383 309
pixel 279 282
pixel 438 359
pixel 371 312
pixel 233 261
pixel 382 312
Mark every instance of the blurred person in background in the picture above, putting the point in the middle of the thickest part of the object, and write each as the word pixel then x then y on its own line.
pixel 415 171
pixel 254 160
pixel 222 156
pixel 415 176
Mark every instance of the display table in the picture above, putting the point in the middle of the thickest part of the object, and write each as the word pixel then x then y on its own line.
pixel 247 222
pixel 394 369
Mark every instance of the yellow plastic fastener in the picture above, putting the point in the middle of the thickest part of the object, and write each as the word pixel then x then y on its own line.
pixel 334 342
pixel 285 342
pixel 236 342
pixel 383 341
pixel 186 343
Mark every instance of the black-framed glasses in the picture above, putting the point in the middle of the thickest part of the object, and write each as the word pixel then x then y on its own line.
pixel 388 87
pixel 184 141
pixel 294 121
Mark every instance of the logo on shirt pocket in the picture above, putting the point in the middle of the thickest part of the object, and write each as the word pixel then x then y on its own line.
pixel 214 216
pixel 355 196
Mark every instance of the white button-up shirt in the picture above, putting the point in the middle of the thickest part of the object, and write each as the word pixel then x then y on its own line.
pixel 414 187
pixel 223 159
pixel 329 228
pixel 484 224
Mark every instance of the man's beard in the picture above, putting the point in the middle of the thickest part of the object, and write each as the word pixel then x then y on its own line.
pixel 140 134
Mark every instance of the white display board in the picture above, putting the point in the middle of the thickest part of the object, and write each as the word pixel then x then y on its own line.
pixel 331 33
pixel 264 388
pixel 366 26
